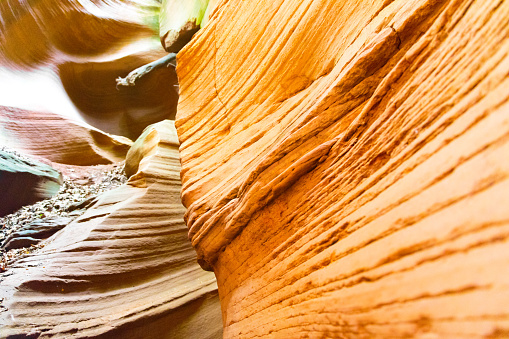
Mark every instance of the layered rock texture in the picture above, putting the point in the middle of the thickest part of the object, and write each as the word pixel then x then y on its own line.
pixel 59 139
pixel 345 168
pixel 124 269
pixel 34 232
pixel 24 182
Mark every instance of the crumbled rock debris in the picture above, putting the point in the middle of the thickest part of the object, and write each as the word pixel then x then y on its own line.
pixel 81 183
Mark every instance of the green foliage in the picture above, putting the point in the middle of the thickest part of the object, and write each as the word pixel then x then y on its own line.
pixel 151 20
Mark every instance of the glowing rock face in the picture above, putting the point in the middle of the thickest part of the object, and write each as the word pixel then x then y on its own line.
pixel 124 110
pixel 86 45
pixel 46 32
pixel 345 169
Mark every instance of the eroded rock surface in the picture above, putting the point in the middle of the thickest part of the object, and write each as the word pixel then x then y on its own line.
pixel 24 181
pixel 345 168
pixel 34 232
pixel 83 47
pixel 45 32
pixel 124 269
pixel 58 139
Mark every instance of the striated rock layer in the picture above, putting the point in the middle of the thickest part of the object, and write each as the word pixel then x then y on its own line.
pixel 124 269
pixel 59 139
pixel 345 168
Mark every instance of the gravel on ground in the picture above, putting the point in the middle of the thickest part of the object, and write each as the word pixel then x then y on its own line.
pixel 81 183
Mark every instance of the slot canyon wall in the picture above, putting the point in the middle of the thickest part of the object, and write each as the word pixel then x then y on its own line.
pixel 124 269
pixel 59 139
pixel 345 166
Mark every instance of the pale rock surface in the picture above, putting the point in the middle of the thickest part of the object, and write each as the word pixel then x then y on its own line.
pixel 124 269
pixel 345 167
pixel 59 139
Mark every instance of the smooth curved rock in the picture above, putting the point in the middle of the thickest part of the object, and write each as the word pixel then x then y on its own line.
pixel 24 181
pixel 42 32
pixel 121 110
pixel 124 269
pixel 144 147
pixel 345 168
pixel 59 139
pixel 84 46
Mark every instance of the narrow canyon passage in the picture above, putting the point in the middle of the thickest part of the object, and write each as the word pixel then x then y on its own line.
pixel 122 267
pixel 293 168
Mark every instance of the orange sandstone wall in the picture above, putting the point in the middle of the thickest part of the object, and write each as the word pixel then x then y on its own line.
pixel 345 169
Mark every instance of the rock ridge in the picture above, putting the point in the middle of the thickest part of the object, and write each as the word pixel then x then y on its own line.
pixel 59 139
pixel 124 268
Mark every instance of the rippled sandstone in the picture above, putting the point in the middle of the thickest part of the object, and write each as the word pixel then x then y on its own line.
pixel 344 166
pixel 124 269
pixel 59 139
